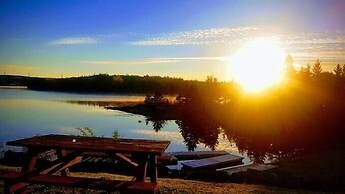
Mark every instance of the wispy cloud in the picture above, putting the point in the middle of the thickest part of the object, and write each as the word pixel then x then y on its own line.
pixel 158 60
pixel 314 44
pixel 31 70
pixel 200 37
pixel 74 41
pixel 306 47
pixel 241 34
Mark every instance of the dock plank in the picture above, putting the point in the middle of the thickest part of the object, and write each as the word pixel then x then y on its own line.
pixel 213 161
pixel 195 154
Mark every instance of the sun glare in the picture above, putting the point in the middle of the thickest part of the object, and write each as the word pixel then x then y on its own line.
pixel 258 64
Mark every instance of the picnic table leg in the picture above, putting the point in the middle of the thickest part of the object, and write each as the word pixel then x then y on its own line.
pixel 142 168
pixel 18 187
pixel 61 154
pixel 33 156
pixel 153 168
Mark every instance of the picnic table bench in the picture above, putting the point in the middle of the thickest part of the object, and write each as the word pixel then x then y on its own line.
pixel 136 153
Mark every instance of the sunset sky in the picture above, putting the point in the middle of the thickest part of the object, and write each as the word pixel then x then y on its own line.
pixel 182 38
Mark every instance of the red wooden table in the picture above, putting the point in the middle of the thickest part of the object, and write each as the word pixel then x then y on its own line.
pixel 137 153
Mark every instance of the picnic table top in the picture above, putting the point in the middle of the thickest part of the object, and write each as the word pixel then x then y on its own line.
pixel 93 144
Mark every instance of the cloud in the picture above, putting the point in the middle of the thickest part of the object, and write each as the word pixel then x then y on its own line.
pixel 74 41
pixel 158 60
pixel 200 37
pixel 314 38
pixel 13 69
pixel 30 70
pixel 240 35
pixel 314 44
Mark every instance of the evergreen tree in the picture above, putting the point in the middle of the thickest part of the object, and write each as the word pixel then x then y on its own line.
pixel 338 71
pixel 343 70
pixel 317 69
pixel 211 79
pixel 290 70
pixel 305 72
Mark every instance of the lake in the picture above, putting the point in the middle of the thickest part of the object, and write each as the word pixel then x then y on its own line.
pixel 25 113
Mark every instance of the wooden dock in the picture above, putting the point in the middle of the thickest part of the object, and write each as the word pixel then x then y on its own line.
pixel 247 167
pixel 213 162
pixel 196 154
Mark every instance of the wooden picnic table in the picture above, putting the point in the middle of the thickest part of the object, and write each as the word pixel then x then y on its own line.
pixel 137 153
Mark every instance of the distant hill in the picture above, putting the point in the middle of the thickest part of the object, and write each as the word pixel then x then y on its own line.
pixel 15 80
pixel 103 83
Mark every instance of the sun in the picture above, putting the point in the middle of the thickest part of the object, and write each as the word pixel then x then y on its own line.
pixel 258 65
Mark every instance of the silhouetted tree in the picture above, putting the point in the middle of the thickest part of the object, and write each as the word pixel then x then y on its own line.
pixel 316 69
pixel 305 72
pixel 290 70
pixel 211 79
pixel 156 99
pixel 338 71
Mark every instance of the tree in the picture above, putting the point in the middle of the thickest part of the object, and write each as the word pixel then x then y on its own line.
pixel 290 70
pixel 343 70
pixel 305 72
pixel 156 99
pixel 211 79
pixel 316 69
pixel 338 71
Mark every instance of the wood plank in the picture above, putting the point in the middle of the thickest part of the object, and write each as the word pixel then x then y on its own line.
pixel 212 162
pixel 153 168
pixel 93 144
pixel 32 160
pixel 108 185
pixel 11 175
pixel 262 167
pixel 17 188
pixel 195 154
pixel 126 159
pixel 60 162
pixel 71 163
pixel 10 181
pixel 142 168
pixel 79 182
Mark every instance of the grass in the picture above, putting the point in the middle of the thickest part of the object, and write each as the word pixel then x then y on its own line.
pixel 167 186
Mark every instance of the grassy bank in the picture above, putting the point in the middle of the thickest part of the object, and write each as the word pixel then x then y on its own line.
pixel 177 186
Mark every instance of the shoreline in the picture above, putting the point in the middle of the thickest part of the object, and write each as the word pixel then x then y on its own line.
pixel 160 112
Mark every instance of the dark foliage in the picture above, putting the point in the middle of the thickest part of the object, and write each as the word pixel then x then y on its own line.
pixel 103 83
pixel 306 112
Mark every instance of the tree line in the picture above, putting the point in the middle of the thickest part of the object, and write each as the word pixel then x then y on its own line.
pixel 104 83
pixel 305 112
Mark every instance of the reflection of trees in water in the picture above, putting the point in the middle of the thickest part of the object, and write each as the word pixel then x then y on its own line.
pixel 157 124
pixel 306 113
pixel 193 131
pixel 85 131
pixel 258 149
pixel 199 131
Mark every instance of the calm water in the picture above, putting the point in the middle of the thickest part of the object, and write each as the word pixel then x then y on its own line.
pixel 25 113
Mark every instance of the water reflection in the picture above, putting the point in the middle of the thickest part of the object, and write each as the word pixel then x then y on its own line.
pixel 25 113
pixel 157 124
pixel 85 131
pixel 102 103
pixel 212 135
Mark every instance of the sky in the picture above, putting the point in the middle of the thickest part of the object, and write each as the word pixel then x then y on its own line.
pixel 181 38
